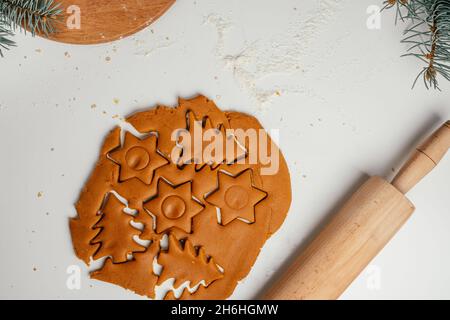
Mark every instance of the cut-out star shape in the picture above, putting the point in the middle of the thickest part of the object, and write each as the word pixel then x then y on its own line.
pixel 236 197
pixel 138 158
pixel 173 207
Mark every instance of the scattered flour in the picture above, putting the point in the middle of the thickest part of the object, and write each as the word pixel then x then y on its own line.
pixel 286 53
pixel 146 49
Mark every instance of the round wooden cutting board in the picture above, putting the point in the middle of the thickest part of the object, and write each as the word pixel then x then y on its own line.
pixel 99 21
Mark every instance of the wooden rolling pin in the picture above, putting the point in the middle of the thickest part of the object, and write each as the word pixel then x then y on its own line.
pixel 357 233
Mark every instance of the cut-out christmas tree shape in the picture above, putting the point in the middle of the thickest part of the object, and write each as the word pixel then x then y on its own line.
pixel 204 144
pixel 236 197
pixel 192 140
pixel 138 158
pixel 220 147
pixel 173 207
pixel 136 275
pixel 186 264
pixel 116 233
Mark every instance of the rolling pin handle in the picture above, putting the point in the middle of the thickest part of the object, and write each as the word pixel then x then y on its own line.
pixel 424 159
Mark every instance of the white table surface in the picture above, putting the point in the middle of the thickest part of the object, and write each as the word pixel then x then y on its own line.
pixel 344 108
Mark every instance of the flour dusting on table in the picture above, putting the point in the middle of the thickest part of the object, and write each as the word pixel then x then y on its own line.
pixel 280 54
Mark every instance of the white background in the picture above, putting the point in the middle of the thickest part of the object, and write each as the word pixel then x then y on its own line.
pixel 339 92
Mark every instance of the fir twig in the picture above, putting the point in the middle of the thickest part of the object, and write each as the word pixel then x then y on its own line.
pixel 399 5
pixel 5 33
pixel 35 16
pixel 428 36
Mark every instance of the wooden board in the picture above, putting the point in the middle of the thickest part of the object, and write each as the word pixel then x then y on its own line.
pixel 99 21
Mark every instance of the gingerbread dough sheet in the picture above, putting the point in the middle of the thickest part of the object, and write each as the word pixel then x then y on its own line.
pixel 159 211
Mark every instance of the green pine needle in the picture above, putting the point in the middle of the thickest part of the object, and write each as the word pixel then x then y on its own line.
pixel 428 36
pixel 5 42
pixel 35 16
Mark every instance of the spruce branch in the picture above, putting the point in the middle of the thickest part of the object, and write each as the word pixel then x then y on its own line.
pixel 35 16
pixel 428 36
pixel 399 5
pixel 5 33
